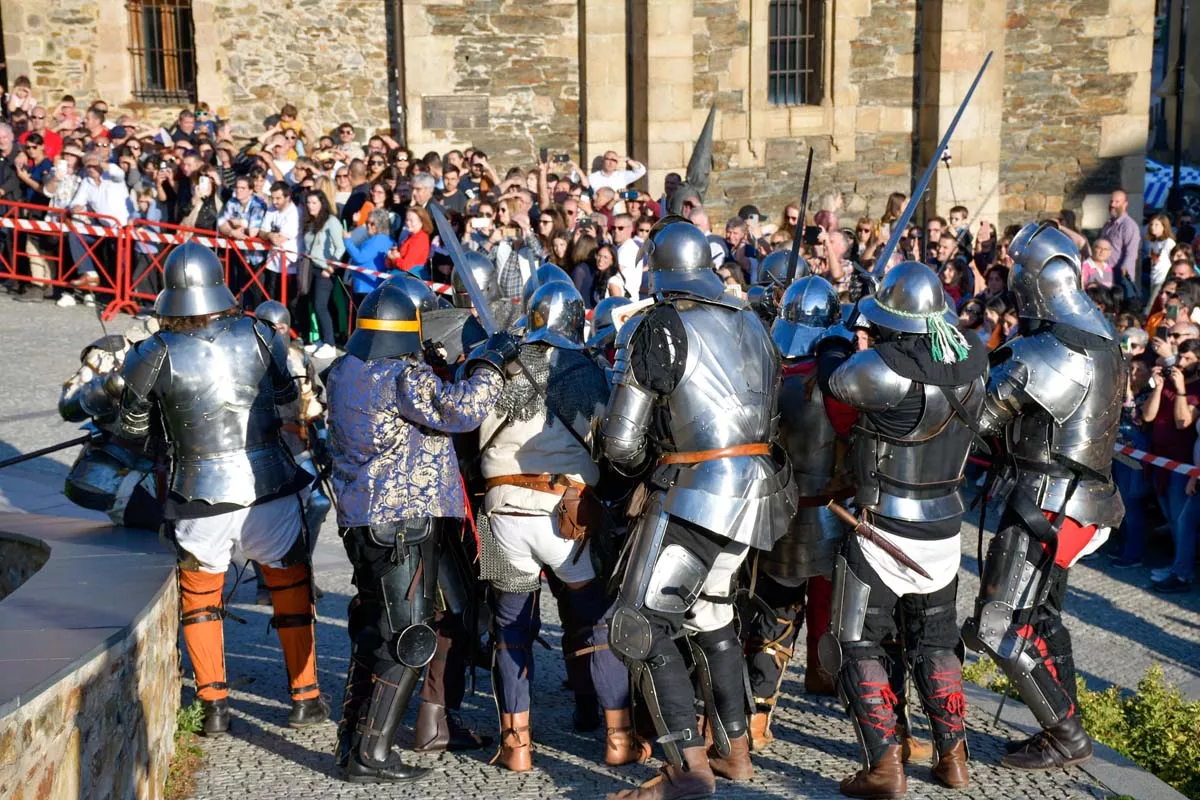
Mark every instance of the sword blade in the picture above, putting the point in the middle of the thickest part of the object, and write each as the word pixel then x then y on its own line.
pixel 919 191
pixel 54 448
pixel 798 235
pixel 483 311
pixel 869 532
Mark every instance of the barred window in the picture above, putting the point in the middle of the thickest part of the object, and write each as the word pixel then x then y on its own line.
pixel 163 49
pixel 795 42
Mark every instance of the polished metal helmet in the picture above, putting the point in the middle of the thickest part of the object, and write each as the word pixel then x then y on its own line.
pixel 546 273
pixel 909 295
pixel 273 313
pixel 556 316
pixel 388 325
pixel 1046 281
pixel 602 321
pixel 773 270
pixel 680 260
pixel 810 307
pixel 422 296
pixel 484 272
pixel 195 284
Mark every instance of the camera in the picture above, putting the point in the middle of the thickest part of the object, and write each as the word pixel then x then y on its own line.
pixel 630 195
pixel 1170 361
pixel 561 158
pixel 812 235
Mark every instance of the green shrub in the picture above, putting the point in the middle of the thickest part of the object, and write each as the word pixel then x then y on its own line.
pixel 189 719
pixel 1155 727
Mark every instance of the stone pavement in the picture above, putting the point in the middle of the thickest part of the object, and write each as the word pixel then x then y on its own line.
pixel 1120 629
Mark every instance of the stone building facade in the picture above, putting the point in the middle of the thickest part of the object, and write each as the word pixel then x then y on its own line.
pixel 1058 121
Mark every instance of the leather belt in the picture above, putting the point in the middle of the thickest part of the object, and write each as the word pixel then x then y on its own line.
pixel 698 456
pixel 552 484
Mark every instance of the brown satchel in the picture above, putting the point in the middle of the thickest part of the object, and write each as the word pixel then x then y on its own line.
pixel 579 513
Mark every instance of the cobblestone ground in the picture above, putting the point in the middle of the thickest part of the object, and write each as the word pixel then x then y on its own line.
pixel 1119 628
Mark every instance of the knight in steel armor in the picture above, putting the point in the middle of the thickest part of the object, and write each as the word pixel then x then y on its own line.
pixel 792 580
pixel 303 429
pixel 216 378
pixel 539 513
pixel 505 311
pixel 774 275
pixel 919 390
pixel 1055 395
pixel 396 478
pixel 694 405
pixel 113 473
pixel 604 332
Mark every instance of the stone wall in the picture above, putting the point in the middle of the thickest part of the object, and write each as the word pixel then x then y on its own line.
pixel 518 59
pixel 327 57
pixel 1076 106
pixel 861 134
pixel 106 730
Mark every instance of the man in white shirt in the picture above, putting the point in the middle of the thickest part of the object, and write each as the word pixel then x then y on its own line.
pixel 629 271
pixel 102 191
pixel 616 179
pixel 281 227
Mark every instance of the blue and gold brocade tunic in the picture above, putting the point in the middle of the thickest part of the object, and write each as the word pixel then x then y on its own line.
pixel 390 422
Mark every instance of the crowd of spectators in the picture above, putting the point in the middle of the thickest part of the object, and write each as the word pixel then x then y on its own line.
pixel 328 201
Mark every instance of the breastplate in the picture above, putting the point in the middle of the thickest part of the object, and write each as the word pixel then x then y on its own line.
pixel 727 393
pixel 219 408
pixel 916 477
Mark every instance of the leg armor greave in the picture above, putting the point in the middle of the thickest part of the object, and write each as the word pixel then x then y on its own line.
pixel 867 693
pixel 377 726
pixel 721 672
pixel 938 675
pixel 1006 597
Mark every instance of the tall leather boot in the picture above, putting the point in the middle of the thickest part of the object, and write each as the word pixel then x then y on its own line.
pixel 356 693
pixel 883 781
pixel 516 744
pixel 1060 745
pixel 437 731
pixel 621 745
pixel 951 767
pixel 372 758
pixel 736 766
pixel 673 783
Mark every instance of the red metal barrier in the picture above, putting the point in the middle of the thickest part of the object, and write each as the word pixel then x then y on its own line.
pixel 245 260
pixel 42 236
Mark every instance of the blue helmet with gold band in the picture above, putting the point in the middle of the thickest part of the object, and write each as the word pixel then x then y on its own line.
pixel 388 325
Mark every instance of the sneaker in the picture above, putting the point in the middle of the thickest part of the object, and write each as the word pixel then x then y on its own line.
pixel 28 297
pixel 325 352
pixel 66 301
pixel 89 300
pixel 1172 585
pixel 311 347
pixel 1126 563
pixel 1160 574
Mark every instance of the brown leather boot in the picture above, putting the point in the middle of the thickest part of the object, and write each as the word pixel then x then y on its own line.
pixel 883 781
pixel 951 767
pixel 818 681
pixel 672 783
pixel 760 731
pixel 436 731
pixel 622 745
pixel 516 746
pixel 911 748
pixel 737 766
